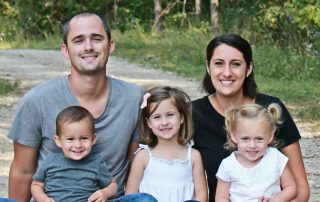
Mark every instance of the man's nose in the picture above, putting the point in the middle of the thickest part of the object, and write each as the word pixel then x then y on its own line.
pixel 88 44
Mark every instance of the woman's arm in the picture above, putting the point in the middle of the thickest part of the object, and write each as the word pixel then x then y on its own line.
pixel 222 192
pixel 199 178
pixel 296 166
pixel 136 172
pixel 37 190
pixel 288 186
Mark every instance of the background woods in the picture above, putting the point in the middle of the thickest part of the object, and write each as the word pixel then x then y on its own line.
pixel 286 22
pixel 172 35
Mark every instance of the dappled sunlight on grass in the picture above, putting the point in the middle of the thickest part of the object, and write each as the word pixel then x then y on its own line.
pixel 5 46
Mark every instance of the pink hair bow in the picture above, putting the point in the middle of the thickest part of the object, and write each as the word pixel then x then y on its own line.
pixel 144 102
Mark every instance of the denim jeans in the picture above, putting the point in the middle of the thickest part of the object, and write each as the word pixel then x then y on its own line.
pixel 136 197
pixel 7 200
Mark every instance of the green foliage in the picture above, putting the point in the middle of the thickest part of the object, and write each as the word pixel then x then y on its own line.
pixel 280 72
pixel 40 19
pixel 302 96
pixel 134 12
pixel 173 50
pixel 285 64
pixel 7 86
pixel 285 36
pixel 127 21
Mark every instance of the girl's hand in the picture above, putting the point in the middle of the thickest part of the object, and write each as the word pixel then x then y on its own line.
pixel 97 197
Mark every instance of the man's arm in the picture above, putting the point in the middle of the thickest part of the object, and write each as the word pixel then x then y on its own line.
pixel 22 169
pixel 132 148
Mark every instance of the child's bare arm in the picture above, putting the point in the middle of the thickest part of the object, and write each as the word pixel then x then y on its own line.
pixel 222 192
pixel 136 172
pixel 105 193
pixel 199 178
pixel 37 191
pixel 288 185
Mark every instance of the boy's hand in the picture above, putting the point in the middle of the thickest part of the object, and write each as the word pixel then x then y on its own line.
pixel 97 197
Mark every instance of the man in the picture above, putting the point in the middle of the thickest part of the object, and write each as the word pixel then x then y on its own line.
pixel 113 103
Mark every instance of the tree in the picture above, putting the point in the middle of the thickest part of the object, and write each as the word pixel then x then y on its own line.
pixel 214 16
pixel 115 12
pixel 198 9
pixel 159 13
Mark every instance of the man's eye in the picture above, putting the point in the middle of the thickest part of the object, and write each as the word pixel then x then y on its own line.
pixel 97 38
pixel 78 40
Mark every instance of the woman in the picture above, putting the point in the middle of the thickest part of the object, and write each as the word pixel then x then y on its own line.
pixel 229 82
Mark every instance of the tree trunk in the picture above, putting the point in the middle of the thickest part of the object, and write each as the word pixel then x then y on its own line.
pixel 184 6
pixel 115 12
pixel 214 16
pixel 157 15
pixel 198 9
pixel 183 12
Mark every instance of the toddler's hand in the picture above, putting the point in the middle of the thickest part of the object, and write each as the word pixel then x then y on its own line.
pixel 49 200
pixel 264 199
pixel 97 197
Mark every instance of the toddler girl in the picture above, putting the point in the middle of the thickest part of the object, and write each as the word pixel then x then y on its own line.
pixel 255 171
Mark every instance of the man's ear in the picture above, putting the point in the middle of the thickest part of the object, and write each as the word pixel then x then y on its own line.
pixel 57 140
pixel 112 46
pixel 64 50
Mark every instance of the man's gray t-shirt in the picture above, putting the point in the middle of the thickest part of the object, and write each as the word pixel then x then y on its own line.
pixel 34 123
pixel 72 180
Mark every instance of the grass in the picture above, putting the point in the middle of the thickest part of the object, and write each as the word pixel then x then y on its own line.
pixel 282 73
pixel 302 98
pixel 7 86
pixel 279 72
pixel 51 42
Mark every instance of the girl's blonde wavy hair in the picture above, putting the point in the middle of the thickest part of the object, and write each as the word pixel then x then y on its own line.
pixel 271 114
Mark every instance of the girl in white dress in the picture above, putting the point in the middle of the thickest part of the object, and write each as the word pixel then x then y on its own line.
pixel 255 171
pixel 167 167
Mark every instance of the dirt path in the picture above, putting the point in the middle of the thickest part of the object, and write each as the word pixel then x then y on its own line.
pixel 35 66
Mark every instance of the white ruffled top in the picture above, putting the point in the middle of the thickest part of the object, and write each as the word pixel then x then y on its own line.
pixel 168 180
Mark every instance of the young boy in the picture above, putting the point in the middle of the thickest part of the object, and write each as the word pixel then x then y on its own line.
pixel 75 174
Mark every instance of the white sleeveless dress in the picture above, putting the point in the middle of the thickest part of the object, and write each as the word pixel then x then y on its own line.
pixel 168 180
